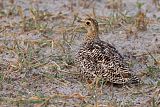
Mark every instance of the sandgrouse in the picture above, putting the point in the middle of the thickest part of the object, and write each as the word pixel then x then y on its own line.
pixel 97 58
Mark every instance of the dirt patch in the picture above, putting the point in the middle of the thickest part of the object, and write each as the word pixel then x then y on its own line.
pixel 39 39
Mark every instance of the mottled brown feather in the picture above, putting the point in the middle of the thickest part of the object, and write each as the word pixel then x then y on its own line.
pixel 98 58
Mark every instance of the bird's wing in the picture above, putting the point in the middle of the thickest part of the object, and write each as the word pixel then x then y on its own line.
pixel 110 63
pixel 100 58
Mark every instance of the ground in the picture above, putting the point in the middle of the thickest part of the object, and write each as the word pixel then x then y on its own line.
pixel 39 39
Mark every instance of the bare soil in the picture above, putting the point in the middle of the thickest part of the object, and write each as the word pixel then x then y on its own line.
pixel 39 39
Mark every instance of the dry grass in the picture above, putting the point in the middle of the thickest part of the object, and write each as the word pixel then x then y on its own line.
pixel 37 50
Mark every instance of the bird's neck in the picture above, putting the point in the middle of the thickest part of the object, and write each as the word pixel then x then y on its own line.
pixel 91 36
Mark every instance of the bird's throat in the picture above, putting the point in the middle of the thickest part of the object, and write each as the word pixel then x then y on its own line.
pixel 91 36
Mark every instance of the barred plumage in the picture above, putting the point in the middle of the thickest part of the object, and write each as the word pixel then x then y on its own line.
pixel 98 58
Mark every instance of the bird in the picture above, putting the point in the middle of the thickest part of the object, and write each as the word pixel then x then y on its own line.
pixel 97 58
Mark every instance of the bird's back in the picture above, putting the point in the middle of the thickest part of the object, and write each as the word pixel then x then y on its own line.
pixel 98 58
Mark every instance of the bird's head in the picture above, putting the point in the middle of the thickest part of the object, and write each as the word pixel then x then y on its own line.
pixel 91 25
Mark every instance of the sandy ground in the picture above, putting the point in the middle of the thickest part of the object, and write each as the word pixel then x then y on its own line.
pixel 38 41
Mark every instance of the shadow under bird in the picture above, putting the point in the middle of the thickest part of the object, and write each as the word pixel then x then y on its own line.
pixel 97 58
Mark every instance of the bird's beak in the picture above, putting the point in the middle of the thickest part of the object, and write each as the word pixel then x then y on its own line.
pixel 80 20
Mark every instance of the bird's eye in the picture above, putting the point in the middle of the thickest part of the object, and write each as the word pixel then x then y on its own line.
pixel 88 23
